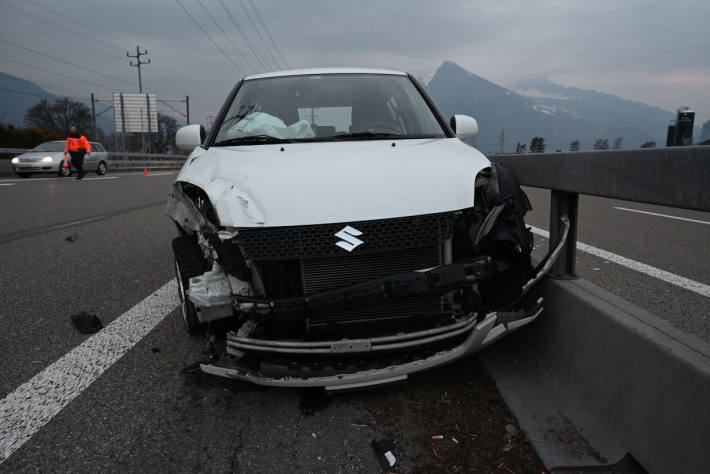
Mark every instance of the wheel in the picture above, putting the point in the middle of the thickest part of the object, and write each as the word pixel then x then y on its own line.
pixel 188 263
pixel 24 175
pixel 64 171
pixel 102 169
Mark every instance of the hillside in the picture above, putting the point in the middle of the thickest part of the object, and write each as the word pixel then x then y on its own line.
pixel 541 108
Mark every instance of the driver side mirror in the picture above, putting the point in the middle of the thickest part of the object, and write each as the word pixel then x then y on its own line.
pixel 190 136
pixel 464 126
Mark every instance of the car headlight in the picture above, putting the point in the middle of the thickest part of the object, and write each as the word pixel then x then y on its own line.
pixel 15 160
pixel 47 159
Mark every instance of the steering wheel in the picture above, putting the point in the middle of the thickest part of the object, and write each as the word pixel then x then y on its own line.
pixel 378 126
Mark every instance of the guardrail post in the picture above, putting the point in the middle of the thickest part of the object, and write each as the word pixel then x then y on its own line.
pixel 564 203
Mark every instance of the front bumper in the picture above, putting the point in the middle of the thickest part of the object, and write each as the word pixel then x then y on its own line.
pixel 36 167
pixel 477 335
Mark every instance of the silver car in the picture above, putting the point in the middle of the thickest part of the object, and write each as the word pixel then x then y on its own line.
pixel 48 157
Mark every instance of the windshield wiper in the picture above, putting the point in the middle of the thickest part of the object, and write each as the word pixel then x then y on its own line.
pixel 366 135
pixel 252 139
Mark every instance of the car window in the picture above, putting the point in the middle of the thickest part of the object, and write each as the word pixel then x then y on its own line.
pixel 49 146
pixel 96 147
pixel 323 107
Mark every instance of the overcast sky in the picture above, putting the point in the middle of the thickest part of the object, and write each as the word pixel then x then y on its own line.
pixel 657 52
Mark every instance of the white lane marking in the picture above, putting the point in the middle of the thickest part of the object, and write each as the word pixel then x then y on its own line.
pixel 662 215
pixel 7 184
pixel 160 174
pixel 105 177
pixel 668 277
pixel 29 180
pixel 33 404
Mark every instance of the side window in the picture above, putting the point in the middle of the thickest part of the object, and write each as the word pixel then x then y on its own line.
pixel 96 147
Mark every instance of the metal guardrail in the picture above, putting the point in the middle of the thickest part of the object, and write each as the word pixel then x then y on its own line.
pixel 675 177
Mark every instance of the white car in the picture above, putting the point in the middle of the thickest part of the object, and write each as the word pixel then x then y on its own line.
pixel 48 157
pixel 335 231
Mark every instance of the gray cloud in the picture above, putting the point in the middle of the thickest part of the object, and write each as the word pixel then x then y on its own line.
pixel 651 51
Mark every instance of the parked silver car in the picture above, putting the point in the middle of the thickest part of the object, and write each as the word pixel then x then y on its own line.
pixel 47 157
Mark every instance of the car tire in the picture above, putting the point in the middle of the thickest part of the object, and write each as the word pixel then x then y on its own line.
pixel 64 172
pixel 24 175
pixel 189 263
pixel 102 169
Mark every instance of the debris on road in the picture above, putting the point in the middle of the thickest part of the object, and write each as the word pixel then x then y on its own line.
pixel 437 437
pixel 87 323
pixel 72 238
pixel 155 349
pixel 384 454
pixel 436 455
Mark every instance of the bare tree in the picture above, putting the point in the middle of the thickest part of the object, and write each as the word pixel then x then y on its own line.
pixel 617 143
pixel 59 115
pixel 651 144
pixel 537 145
pixel 601 144
pixel 167 128
pixel 574 146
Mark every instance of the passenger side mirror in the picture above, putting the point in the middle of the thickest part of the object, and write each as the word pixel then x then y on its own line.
pixel 190 136
pixel 464 126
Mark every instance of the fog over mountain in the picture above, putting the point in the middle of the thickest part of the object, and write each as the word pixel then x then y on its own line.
pixel 538 107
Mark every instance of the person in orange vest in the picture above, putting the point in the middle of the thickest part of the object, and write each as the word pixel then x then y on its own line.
pixel 78 146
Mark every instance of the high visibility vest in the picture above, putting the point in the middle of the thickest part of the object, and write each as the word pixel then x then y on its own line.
pixel 77 144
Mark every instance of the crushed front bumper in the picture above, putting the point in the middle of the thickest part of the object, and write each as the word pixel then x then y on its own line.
pixel 477 334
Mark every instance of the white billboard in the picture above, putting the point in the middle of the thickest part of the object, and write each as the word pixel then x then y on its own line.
pixel 135 112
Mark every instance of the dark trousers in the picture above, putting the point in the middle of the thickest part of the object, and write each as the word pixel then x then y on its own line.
pixel 77 161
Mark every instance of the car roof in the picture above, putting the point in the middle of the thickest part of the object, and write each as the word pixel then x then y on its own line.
pixel 327 70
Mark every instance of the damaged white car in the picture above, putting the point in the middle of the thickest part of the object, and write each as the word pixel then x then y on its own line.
pixel 336 232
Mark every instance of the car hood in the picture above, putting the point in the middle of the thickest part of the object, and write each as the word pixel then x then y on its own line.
pixel 329 182
pixel 38 155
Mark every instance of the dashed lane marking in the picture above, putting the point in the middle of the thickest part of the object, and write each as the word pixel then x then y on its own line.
pixel 668 277
pixel 33 404
pixel 7 184
pixel 663 215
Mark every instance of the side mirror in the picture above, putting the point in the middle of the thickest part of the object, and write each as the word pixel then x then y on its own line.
pixel 464 126
pixel 190 136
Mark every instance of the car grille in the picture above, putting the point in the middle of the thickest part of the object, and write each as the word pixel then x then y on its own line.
pixel 316 241
pixel 402 310
pixel 333 272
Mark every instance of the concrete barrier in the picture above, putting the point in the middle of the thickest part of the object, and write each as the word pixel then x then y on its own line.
pixel 595 377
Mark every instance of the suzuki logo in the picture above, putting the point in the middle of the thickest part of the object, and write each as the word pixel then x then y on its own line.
pixel 349 236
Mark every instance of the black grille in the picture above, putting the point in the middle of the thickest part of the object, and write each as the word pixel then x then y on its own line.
pixel 313 241
pixel 393 312
pixel 323 274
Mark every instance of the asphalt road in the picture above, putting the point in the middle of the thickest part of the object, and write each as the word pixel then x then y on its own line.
pixel 151 411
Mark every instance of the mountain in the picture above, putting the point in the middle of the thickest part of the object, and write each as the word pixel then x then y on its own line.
pixel 538 107
pixel 17 95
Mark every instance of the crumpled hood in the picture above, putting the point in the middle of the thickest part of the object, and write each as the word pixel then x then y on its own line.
pixel 328 182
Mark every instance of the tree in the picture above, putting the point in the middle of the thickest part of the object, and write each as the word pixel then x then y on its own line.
pixel 521 148
pixel 537 145
pixel 58 116
pixel 617 143
pixel 574 146
pixel 13 137
pixel 649 145
pixel 601 144
pixel 167 128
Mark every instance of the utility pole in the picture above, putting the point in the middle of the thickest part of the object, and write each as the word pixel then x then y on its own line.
pixel 93 116
pixel 187 109
pixel 138 64
pixel 502 140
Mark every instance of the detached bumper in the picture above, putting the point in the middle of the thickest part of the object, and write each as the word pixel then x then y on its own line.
pixel 476 336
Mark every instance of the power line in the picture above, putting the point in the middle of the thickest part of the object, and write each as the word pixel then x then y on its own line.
pixel 269 34
pixel 246 11
pixel 251 66
pixel 208 36
pixel 113 46
pixel 63 61
pixel 244 36
pixel 57 73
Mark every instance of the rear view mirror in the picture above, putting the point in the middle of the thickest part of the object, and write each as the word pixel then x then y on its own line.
pixel 190 136
pixel 464 126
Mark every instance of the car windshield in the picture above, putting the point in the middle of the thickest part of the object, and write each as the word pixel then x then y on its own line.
pixel 49 146
pixel 327 107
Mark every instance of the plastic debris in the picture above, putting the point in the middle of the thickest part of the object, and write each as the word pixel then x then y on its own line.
pixel 155 349
pixel 455 440
pixel 384 454
pixel 72 238
pixel 437 437
pixel 436 455
pixel 87 323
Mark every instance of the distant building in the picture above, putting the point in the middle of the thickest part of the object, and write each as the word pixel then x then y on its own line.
pixel 680 131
